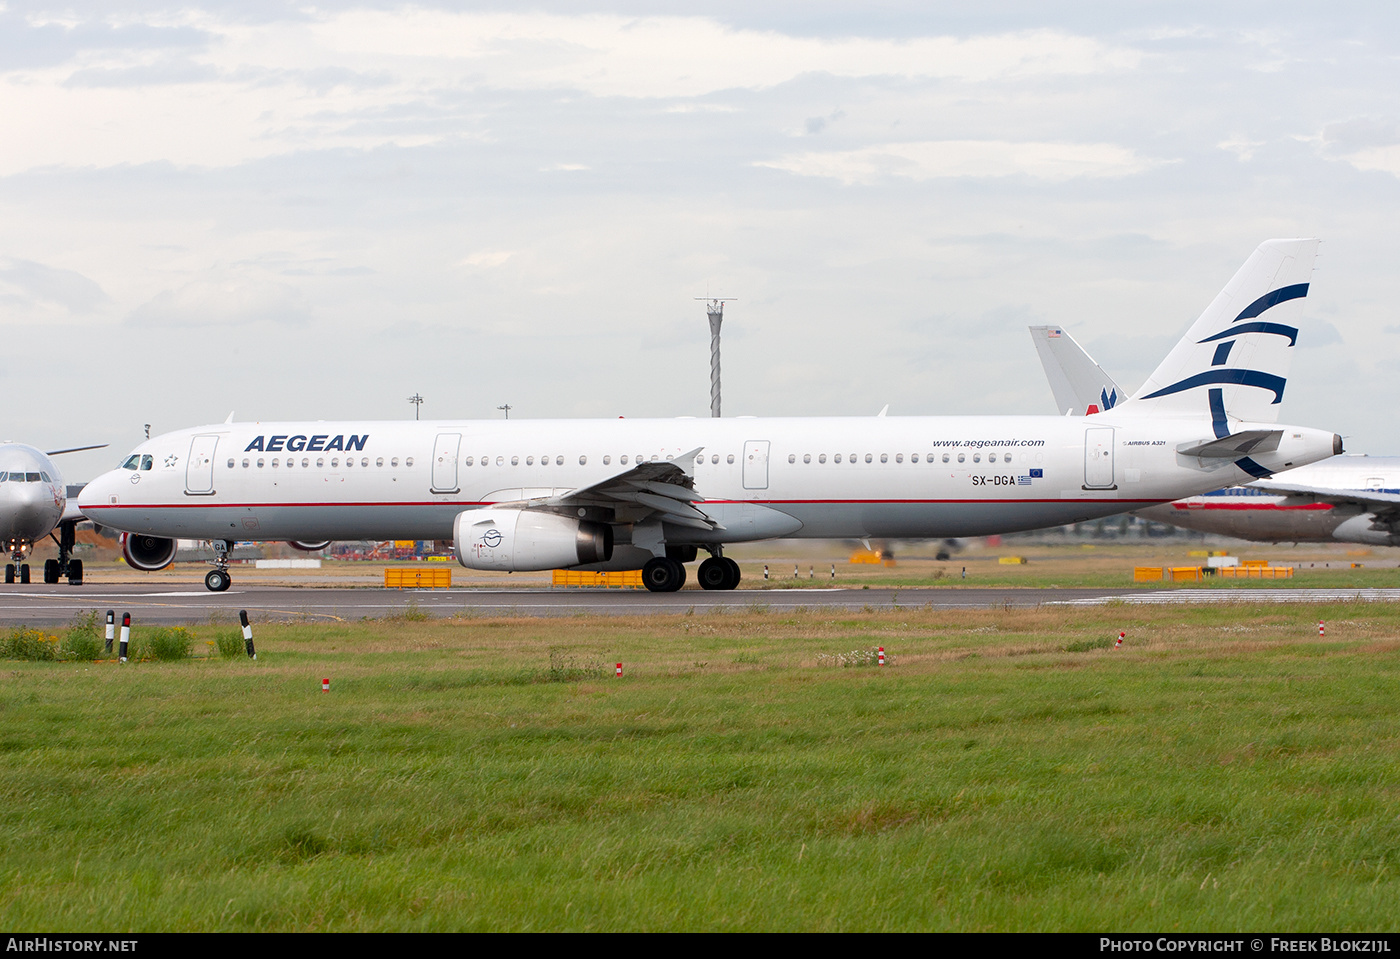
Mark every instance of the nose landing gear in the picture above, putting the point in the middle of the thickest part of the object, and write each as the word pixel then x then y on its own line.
pixel 56 569
pixel 217 579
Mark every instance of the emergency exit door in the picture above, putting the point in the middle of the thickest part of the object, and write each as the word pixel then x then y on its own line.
pixel 756 464
pixel 445 462
pixel 1098 458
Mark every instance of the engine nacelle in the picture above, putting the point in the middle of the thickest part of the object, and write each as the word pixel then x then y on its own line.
pixel 309 547
pixel 521 540
pixel 147 553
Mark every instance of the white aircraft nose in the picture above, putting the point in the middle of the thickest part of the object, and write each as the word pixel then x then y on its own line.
pixel 100 491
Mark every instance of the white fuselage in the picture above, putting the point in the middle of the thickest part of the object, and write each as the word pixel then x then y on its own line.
pixel 760 478
pixel 1251 513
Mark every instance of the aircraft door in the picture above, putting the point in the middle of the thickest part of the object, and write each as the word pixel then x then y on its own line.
pixel 199 468
pixel 1098 458
pixel 445 463
pixel 756 464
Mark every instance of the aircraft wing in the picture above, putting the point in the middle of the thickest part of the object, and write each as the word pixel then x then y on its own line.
pixel 1080 385
pixel 75 449
pixel 666 487
pixel 1373 500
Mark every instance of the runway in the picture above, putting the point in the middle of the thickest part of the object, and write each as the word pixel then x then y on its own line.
pixel 40 605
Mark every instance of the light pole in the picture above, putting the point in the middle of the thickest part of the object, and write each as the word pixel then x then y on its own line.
pixel 506 408
pixel 417 401
pixel 714 309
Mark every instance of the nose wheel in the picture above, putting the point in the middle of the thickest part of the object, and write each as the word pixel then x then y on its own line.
pixel 217 579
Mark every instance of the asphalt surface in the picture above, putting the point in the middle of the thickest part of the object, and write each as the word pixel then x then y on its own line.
pixel 41 605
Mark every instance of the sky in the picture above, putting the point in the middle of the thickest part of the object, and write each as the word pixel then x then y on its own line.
pixel 313 212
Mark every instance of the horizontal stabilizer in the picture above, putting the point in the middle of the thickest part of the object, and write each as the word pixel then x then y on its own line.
pixel 1235 445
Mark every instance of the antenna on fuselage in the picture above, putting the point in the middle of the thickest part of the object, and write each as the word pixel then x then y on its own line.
pixel 714 309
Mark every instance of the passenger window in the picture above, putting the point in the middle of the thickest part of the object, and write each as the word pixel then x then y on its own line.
pixel 395 462
pixel 320 462
pixel 976 457
pixel 291 463
pixel 991 457
pixel 607 460
pixel 731 459
pixel 260 463
pixel 306 463
pixel 945 458
pixel 349 461
pixel 583 461
pixel 146 462
pixel 821 458
pixel 792 457
pixel 470 460
pixel 853 457
pixel 514 461
pixel 899 457
pixel 230 464
pixel 500 461
pixel 529 461
pixel 961 457
pixel 558 461
pixel 806 457
pixel 379 460
pixel 623 459
pixel 408 463
pixel 274 462
pixel 913 457
pixel 335 462
pixel 245 464
pixel 836 458
pixel 714 459
pixel 884 457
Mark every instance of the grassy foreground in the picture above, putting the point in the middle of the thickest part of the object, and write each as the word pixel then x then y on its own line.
pixel 1227 769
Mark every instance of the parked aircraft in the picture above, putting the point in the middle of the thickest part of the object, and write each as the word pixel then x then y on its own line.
pixel 1350 499
pixel 33 503
pixel 649 493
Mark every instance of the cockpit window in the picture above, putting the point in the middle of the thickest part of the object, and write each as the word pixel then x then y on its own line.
pixel 146 462
pixel 31 477
pixel 132 462
pixel 45 476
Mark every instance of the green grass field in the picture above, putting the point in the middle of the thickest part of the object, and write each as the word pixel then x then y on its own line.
pixel 1227 769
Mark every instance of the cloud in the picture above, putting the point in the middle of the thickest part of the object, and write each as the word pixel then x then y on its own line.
pixel 229 301
pixel 52 285
pixel 966 158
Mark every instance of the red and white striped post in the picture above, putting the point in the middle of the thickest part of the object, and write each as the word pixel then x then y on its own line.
pixel 882 655
pixel 1321 630
pixel 325 685
pixel 619 670
pixel 1121 636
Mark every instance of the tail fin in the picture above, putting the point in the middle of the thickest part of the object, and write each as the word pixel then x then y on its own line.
pixel 1235 359
pixel 1080 385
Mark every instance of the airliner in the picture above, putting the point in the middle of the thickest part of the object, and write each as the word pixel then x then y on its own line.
pixel 649 494
pixel 33 503
pixel 1349 499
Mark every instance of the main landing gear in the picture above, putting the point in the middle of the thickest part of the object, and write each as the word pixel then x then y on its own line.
pixel 65 565
pixel 217 579
pixel 663 574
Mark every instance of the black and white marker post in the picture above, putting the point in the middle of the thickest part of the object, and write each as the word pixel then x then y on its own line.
pixel 111 628
pixel 126 637
pixel 247 634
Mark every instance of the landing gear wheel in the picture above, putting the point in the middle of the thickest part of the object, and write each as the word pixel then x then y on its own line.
pixel 9 572
pixel 217 580
pixel 713 574
pixel 662 575
pixel 24 573
pixel 75 572
pixel 734 574
pixel 50 570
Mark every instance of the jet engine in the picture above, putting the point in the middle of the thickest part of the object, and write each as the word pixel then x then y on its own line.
pixel 309 547
pixel 520 540
pixel 148 553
